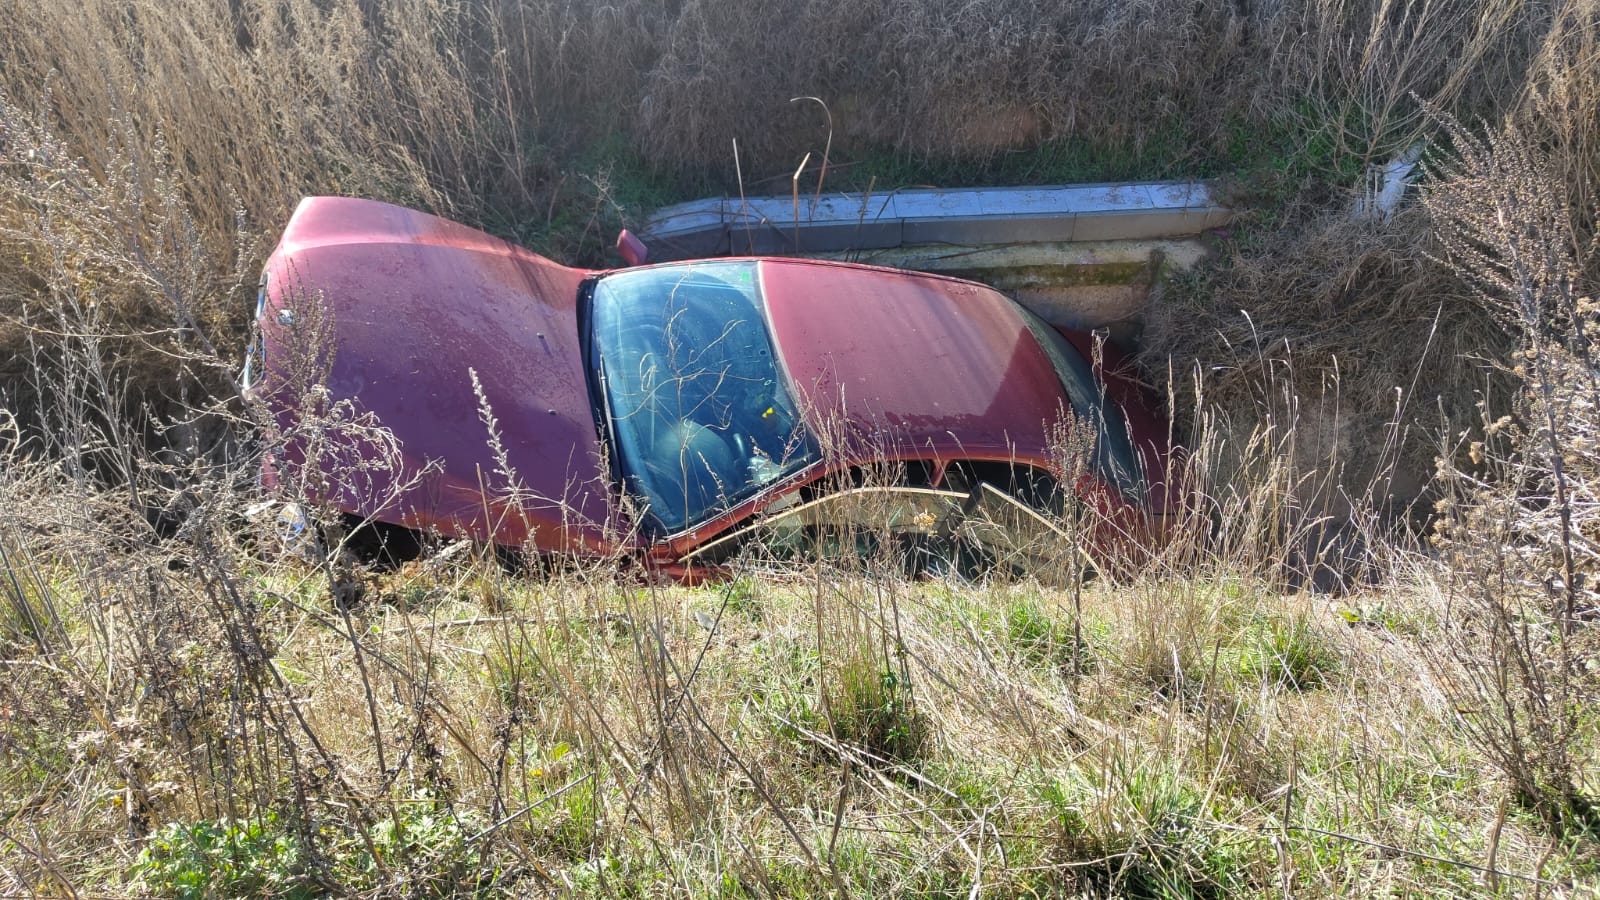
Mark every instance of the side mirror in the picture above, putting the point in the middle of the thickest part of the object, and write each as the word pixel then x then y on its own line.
pixel 633 250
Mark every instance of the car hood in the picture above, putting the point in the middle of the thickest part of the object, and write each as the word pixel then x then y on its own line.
pixel 910 364
pixel 412 306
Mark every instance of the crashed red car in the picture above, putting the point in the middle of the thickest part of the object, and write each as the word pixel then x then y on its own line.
pixel 676 412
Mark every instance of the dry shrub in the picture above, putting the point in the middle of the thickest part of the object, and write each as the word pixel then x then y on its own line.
pixel 948 79
pixel 1562 107
pixel 1520 537
pixel 1348 330
pixel 151 152
pixel 148 156
pixel 1373 69
pixel 1343 335
pixel 258 104
pixel 111 297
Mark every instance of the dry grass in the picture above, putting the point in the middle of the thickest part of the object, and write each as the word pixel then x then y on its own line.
pixel 152 150
pixel 214 714
pixel 812 734
pixel 1353 330
pixel 1347 323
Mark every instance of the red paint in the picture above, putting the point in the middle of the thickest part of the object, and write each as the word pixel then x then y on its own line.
pixel 914 365
pixel 1148 429
pixel 416 301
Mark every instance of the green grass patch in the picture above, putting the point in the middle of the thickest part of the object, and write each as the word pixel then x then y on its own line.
pixel 1285 650
pixel 1047 642
pixel 1147 829
pixel 871 705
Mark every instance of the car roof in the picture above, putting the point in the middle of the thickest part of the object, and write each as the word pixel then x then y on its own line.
pixel 923 364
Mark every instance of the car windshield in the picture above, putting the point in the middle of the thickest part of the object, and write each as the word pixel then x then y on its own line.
pixel 700 413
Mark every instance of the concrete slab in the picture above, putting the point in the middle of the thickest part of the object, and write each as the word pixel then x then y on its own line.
pixel 688 245
pixel 767 225
pixel 1124 226
pixel 1177 253
pixel 696 228
pixel 781 238
pixel 836 222
pixel 1085 307
pixel 1080 284
pixel 1091 199
pixel 1179 195
pixel 934 204
pixel 1017 229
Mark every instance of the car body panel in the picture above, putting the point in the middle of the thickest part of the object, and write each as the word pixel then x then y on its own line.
pixel 890 365
pixel 416 302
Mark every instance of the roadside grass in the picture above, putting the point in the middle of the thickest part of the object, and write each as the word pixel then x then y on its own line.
pixel 594 736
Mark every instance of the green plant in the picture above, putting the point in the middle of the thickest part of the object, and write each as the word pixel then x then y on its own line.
pixel 1044 642
pixel 1286 650
pixel 572 826
pixel 871 705
pixel 431 842
pixel 742 596
pixel 224 858
pixel 263 857
pixel 1146 828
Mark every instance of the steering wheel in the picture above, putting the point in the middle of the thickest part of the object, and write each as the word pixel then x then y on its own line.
pixel 639 338
pixel 691 463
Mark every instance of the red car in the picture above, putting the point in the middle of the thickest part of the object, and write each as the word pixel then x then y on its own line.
pixel 678 412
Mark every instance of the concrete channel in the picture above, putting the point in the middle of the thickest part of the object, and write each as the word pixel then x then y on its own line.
pixel 1079 255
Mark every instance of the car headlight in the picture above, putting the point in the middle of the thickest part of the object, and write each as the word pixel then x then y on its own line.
pixel 252 353
pixel 261 295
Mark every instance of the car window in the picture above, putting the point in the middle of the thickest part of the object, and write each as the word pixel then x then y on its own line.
pixel 700 412
pixel 1113 454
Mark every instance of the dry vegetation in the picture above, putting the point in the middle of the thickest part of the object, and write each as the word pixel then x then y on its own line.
pixel 187 710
